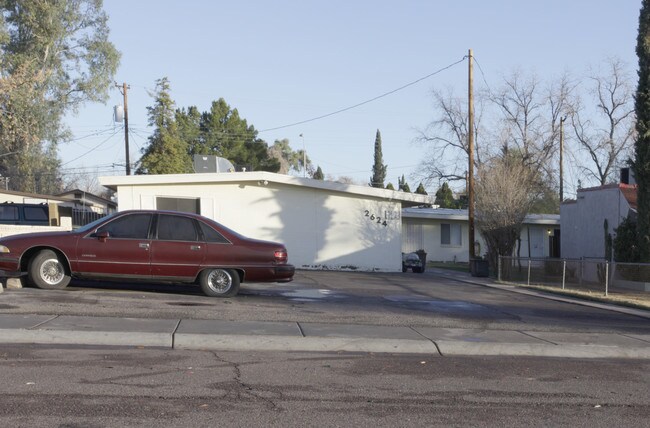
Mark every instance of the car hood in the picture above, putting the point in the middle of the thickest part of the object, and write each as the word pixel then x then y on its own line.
pixel 34 236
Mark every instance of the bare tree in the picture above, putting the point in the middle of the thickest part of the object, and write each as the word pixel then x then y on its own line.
pixel 446 139
pixel 530 115
pixel 505 191
pixel 604 124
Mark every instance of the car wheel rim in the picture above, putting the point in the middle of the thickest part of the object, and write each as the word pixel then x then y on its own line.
pixel 219 281
pixel 52 271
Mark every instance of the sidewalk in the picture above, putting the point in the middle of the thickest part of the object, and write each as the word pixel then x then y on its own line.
pixel 290 336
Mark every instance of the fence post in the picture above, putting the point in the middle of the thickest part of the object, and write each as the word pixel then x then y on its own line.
pixel 563 273
pixel 606 278
pixel 528 271
pixel 499 269
pixel 581 270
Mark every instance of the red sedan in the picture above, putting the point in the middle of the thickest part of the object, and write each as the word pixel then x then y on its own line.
pixel 163 246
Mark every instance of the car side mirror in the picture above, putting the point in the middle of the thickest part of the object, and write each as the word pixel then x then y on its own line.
pixel 103 235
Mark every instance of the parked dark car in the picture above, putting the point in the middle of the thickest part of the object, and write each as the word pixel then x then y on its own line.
pixel 27 214
pixel 412 261
pixel 162 246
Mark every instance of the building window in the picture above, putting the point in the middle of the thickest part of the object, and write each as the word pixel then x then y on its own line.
pixel 186 205
pixel 450 235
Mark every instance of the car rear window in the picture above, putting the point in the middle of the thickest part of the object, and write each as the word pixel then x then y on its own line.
pixel 211 235
pixel 8 213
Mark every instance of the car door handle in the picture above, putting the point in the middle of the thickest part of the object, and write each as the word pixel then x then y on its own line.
pixel 144 245
pixel 195 247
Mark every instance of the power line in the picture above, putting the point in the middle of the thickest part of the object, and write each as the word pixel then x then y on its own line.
pixel 367 101
pixel 93 149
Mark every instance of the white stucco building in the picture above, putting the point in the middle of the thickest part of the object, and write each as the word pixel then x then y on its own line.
pixel 325 225
pixel 444 234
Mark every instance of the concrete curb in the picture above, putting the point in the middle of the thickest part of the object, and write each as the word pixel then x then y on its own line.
pixel 305 344
pixel 312 337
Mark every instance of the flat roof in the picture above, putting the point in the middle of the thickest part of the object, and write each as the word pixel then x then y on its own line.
pixel 407 199
pixel 462 215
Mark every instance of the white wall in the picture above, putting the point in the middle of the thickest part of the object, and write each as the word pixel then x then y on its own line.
pixel 17 229
pixel 425 233
pixel 421 233
pixel 321 228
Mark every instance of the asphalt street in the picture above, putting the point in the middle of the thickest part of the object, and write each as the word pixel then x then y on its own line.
pixel 439 312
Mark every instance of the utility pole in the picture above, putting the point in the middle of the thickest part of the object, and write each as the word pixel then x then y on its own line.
pixel 562 158
pixel 304 157
pixel 470 148
pixel 125 87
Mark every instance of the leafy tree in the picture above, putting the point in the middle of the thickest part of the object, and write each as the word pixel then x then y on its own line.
pixel 403 185
pixel 421 190
pixel 378 168
pixel 641 162
pixel 54 56
pixel 318 175
pixel 166 152
pixel 445 197
pixel 390 186
pixel 289 160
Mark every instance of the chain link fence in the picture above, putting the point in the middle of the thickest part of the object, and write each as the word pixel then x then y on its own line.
pixel 591 275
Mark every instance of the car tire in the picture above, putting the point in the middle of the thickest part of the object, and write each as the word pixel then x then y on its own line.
pixel 219 282
pixel 48 271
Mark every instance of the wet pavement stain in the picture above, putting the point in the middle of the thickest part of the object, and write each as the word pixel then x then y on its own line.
pixel 446 306
pixel 310 295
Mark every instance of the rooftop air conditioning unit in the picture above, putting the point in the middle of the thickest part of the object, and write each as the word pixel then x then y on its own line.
pixel 211 163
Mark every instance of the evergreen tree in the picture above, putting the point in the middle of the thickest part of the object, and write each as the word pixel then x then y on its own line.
pixel 641 163
pixel 378 168
pixel 189 127
pixel 445 197
pixel 390 186
pixel 421 190
pixel 318 175
pixel 403 185
pixel 166 152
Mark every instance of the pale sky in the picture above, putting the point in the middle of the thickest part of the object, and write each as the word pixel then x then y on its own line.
pixel 282 62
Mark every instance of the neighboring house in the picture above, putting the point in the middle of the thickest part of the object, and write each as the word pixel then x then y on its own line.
pixel 325 225
pixel 583 219
pixel 85 207
pixel 80 207
pixel 444 234
pixel 82 200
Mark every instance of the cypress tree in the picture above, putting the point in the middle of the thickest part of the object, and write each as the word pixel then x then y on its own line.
pixel 641 163
pixel 421 190
pixel 378 168
pixel 318 175
pixel 403 185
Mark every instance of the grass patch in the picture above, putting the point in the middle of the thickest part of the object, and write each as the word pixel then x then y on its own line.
pixel 636 301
